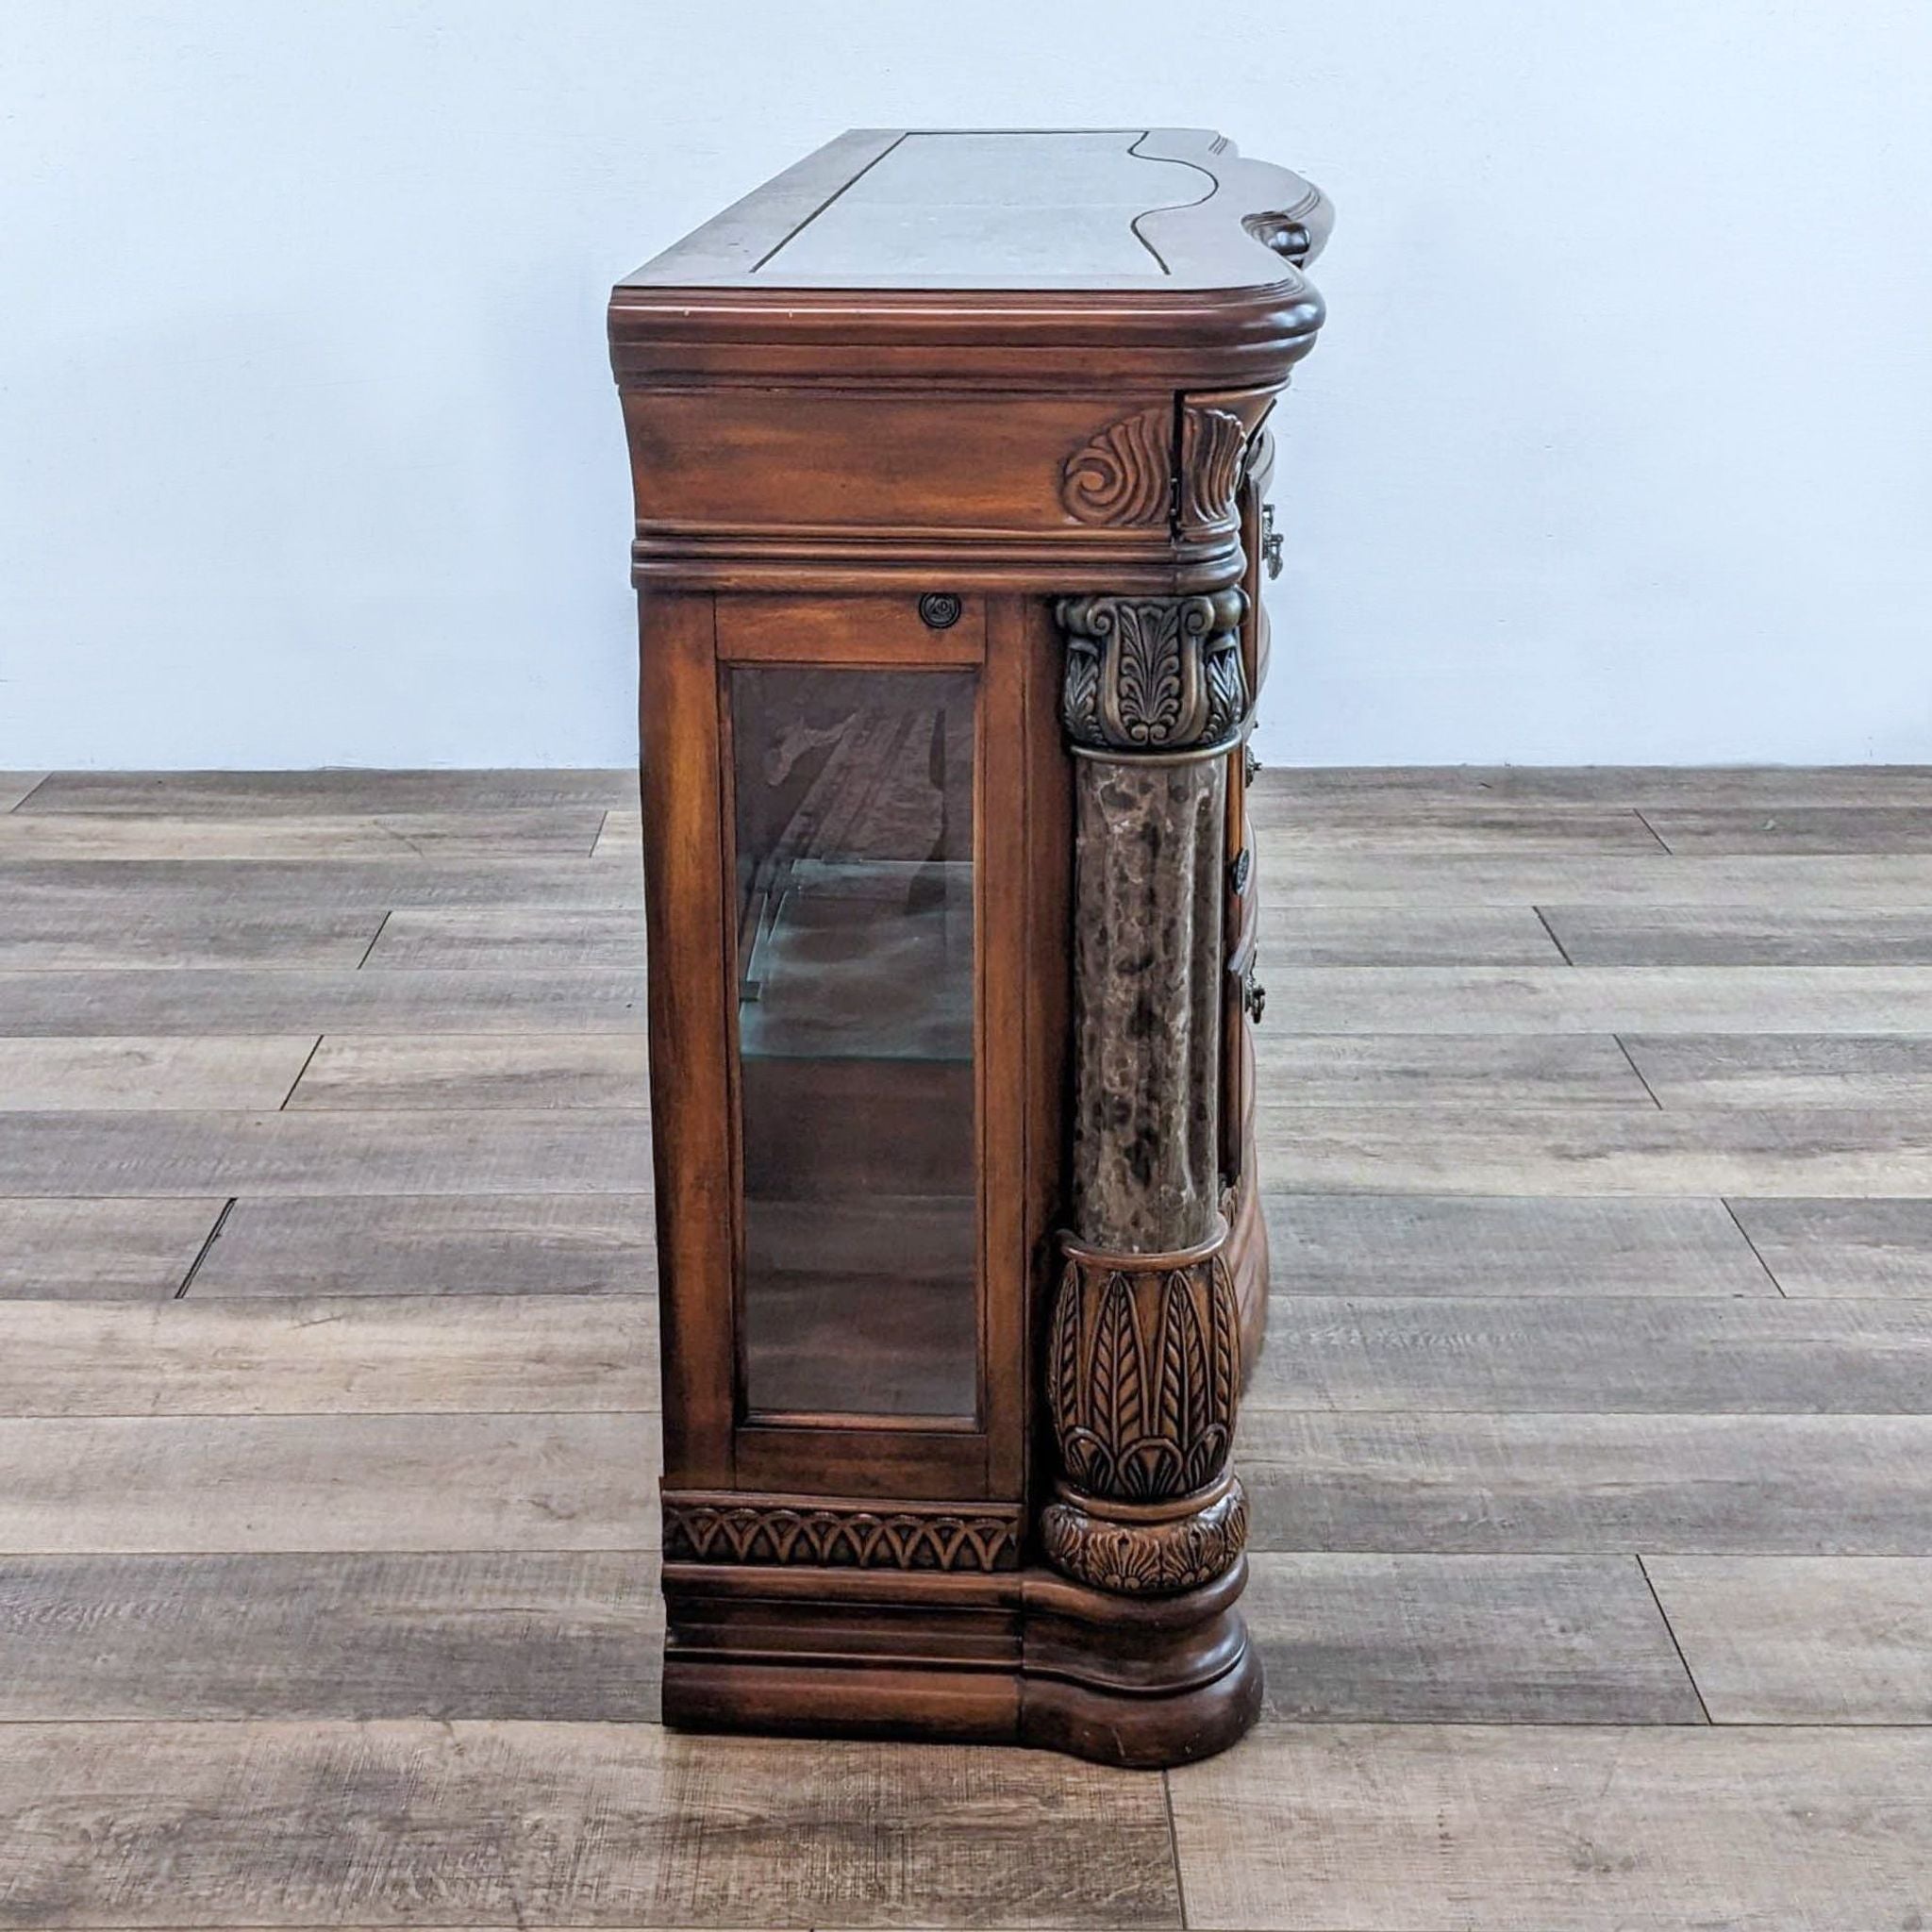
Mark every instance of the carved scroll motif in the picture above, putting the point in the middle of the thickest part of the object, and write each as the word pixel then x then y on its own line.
pixel 732 1531
pixel 1120 476
pixel 1151 673
pixel 1131 473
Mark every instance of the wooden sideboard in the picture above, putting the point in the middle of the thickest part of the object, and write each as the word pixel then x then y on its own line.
pixel 949 454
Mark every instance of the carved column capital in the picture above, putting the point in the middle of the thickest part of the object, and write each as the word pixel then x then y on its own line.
pixel 1152 673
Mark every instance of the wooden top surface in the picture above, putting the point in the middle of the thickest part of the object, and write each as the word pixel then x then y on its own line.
pixel 1130 209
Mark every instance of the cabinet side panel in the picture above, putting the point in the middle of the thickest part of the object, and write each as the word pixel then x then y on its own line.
pixel 753 459
pixel 691 1103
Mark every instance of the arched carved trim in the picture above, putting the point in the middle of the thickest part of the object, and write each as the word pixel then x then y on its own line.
pixel 734 1529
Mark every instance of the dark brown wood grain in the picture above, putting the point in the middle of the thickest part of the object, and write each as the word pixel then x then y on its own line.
pixel 692 1151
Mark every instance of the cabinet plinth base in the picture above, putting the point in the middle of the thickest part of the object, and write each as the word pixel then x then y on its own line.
pixel 1024 1657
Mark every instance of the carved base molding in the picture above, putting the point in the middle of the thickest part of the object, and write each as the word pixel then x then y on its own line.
pixel 700 1528
pixel 1026 1657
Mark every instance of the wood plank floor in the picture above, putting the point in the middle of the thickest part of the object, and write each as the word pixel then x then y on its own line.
pixel 1590 1452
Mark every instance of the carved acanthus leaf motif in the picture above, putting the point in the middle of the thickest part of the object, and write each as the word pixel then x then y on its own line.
pixel 1147 1558
pixel 1149 669
pixel 1146 1378
pixel 1151 673
pixel 1227 690
pixel 850 1537
pixel 1212 444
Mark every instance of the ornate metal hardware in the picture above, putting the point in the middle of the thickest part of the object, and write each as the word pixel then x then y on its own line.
pixel 1270 542
pixel 1251 766
pixel 1254 996
pixel 940 610
pixel 1239 868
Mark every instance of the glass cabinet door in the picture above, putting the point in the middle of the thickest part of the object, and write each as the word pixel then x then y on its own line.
pixel 853 809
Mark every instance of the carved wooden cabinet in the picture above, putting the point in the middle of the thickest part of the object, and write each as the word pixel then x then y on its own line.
pixel 948 451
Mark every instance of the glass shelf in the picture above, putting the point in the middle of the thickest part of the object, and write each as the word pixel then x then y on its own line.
pixel 869 960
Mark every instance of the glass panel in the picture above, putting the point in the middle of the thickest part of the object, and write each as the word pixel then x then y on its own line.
pixel 854 1028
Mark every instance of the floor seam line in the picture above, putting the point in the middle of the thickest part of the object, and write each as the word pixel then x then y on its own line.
pixel 1173 1849
pixel 1671 1631
pixel 1623 1048
pixel 308 1060
pixel 1562 950
pixel 381 927
pixel 201 1253
pixel 1725 1202
pixel 1652 831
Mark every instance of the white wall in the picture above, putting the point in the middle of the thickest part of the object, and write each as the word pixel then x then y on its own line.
pixel 1619 446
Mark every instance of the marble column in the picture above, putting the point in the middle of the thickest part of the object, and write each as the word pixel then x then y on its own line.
pixel 1144 1361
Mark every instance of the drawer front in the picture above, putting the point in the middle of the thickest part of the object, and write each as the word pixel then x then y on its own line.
pixel 1238 1059
pixel 1261 545
pixel 1242 996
